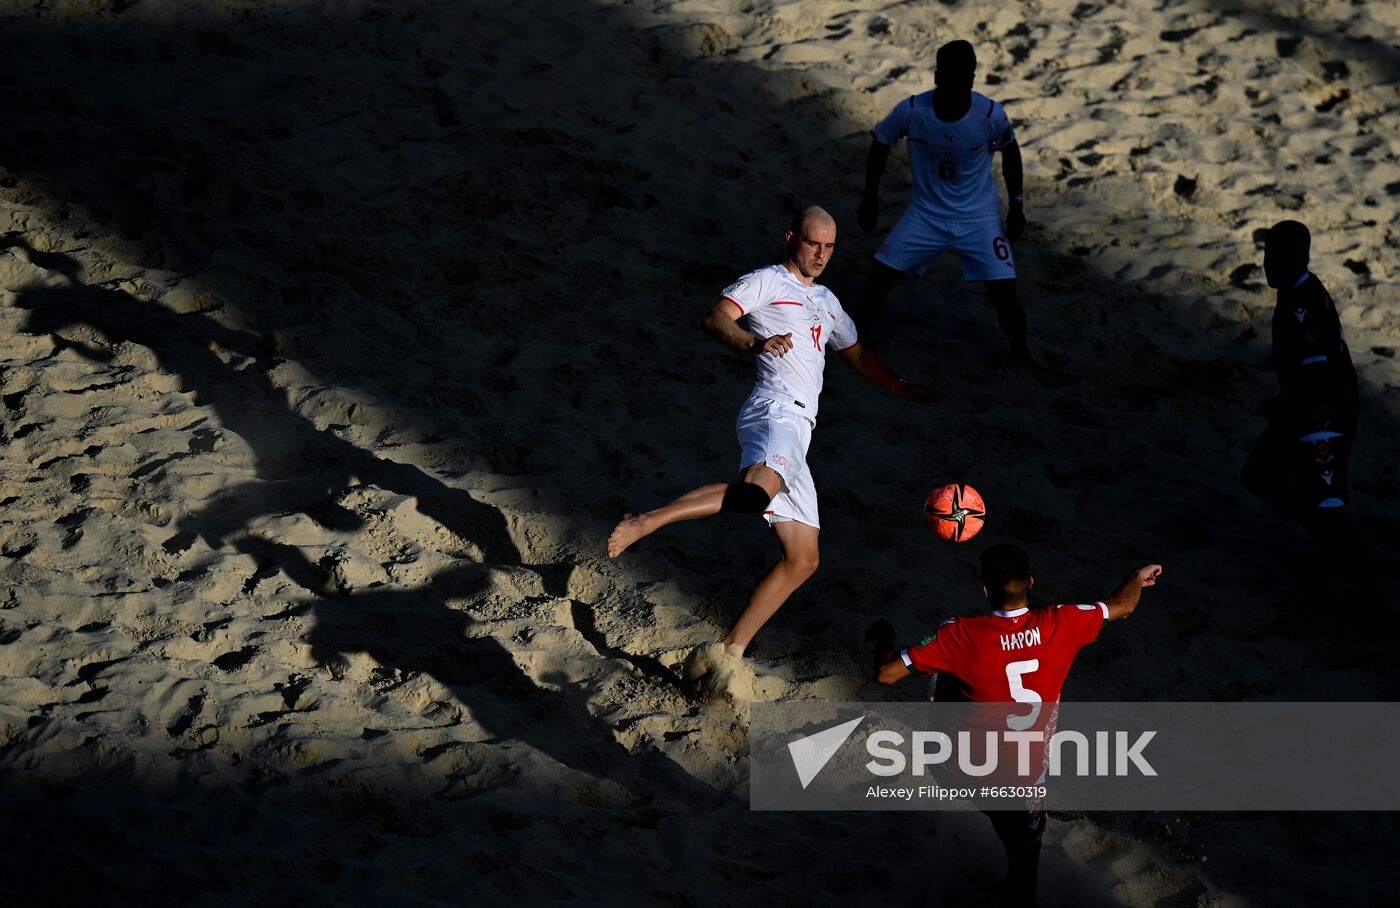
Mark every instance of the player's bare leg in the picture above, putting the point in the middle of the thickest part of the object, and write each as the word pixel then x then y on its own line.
pixel 798 562
pixel 705 501
pixel 701 502
pixel 1011 317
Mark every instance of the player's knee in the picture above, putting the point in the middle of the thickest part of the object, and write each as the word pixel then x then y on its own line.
pixel 745 498
pixel 1002 293
pixel 805 561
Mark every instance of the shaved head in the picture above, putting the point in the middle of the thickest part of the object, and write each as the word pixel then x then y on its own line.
pixel 811 239
pixel 814 214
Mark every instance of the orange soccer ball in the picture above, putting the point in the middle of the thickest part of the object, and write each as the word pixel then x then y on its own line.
pixel 955 512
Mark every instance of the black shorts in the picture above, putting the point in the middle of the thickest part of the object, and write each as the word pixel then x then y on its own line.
pixel 1020 832
pixel 1299 476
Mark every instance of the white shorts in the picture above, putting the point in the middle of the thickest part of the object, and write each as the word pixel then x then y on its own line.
pixel 777 434
pixel 918 239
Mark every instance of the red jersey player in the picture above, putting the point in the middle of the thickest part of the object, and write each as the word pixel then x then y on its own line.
pixel 1012 654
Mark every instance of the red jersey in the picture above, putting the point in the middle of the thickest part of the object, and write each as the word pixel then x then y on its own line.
pixel 1020 656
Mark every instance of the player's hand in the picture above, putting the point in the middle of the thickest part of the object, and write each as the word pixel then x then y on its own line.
pixel 1147 574
pixel 868 214
pixel 909 391
pixel 1015 222
pixel 777 345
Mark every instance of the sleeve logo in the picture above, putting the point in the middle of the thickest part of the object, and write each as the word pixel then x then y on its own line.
pixel 735 287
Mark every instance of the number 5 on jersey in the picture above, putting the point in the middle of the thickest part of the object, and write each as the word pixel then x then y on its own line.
pixel 1015 671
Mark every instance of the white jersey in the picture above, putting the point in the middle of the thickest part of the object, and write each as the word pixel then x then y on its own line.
pixel 776 302
pixel 951 162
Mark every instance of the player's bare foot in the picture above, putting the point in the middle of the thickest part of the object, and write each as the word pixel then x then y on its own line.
pixel 1047 377
pixel 632 528
pixel 718 672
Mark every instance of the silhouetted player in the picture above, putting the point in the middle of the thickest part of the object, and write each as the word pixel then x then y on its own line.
pixel 1299 463
pixel 1011 654
pixel 952 133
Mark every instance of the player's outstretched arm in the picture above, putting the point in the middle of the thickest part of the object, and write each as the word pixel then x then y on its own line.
pixel 869 365
pixel 893 670
pixel 723 325
pixel 1012 173
pixel 1124 599
pixel 868 214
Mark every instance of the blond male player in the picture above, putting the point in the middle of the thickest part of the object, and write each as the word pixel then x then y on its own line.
pixel 792 321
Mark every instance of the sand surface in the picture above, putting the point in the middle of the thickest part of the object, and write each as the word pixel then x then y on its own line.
pixel 334 337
